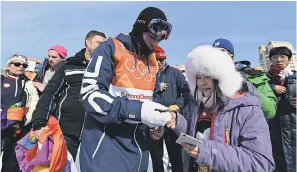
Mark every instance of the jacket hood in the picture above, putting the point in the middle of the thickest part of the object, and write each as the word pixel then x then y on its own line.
pixel 127 41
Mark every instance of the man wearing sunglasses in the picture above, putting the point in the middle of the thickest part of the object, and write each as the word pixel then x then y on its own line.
pixel 56 54
pixel 173 89
pixel 256 77
pixel 117 91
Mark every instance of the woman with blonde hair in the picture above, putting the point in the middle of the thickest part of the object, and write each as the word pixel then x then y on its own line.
pixel 18 101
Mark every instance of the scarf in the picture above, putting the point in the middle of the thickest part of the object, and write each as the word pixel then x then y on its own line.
pixel 280 73
pixel 208 101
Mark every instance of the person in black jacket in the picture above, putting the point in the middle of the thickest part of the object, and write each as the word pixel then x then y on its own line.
pixel 173 93
pixel 283 126
pixel 65 86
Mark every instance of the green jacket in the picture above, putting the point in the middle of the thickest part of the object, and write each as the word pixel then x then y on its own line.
pixel 260 81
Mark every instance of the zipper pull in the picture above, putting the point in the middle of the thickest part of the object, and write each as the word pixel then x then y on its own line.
pixel 227 141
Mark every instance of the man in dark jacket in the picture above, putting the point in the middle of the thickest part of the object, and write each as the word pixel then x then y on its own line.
pixel 283 126
pixel 172 90
pixel 65 86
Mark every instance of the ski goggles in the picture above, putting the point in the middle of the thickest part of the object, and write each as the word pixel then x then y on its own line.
pixel 160 28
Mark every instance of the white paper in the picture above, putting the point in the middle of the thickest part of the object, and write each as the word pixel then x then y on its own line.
pixel 184 138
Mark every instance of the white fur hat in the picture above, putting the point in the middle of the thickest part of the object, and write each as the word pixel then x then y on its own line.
pixel 212 62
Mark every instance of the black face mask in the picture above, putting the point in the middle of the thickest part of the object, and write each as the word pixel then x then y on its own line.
pixel 139 44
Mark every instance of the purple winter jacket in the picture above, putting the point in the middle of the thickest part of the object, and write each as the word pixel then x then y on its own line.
pixel 250 145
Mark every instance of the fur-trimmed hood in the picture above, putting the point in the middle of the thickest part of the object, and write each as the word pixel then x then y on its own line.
pixel 209 61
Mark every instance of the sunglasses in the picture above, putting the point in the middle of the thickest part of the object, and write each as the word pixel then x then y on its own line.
pixel 160 60
pixel 18 64
pixel 160 28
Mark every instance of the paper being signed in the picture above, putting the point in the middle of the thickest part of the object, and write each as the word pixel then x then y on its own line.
pixel 184 138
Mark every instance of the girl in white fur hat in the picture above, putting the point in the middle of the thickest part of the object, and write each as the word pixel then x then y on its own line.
pixel 225 115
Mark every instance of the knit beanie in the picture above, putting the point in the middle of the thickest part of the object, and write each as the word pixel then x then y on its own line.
pixel 160 53
pixel 62 51
pixel 145 18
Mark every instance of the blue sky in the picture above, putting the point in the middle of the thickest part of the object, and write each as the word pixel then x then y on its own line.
pixel 30 28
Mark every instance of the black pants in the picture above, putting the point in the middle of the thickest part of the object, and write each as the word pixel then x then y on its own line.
pixel 8 144
pixel 72 145
pixel 9 161
pixel 173 149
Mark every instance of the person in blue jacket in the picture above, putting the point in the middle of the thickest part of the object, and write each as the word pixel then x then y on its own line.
pixel 117 92
pixel 173 88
